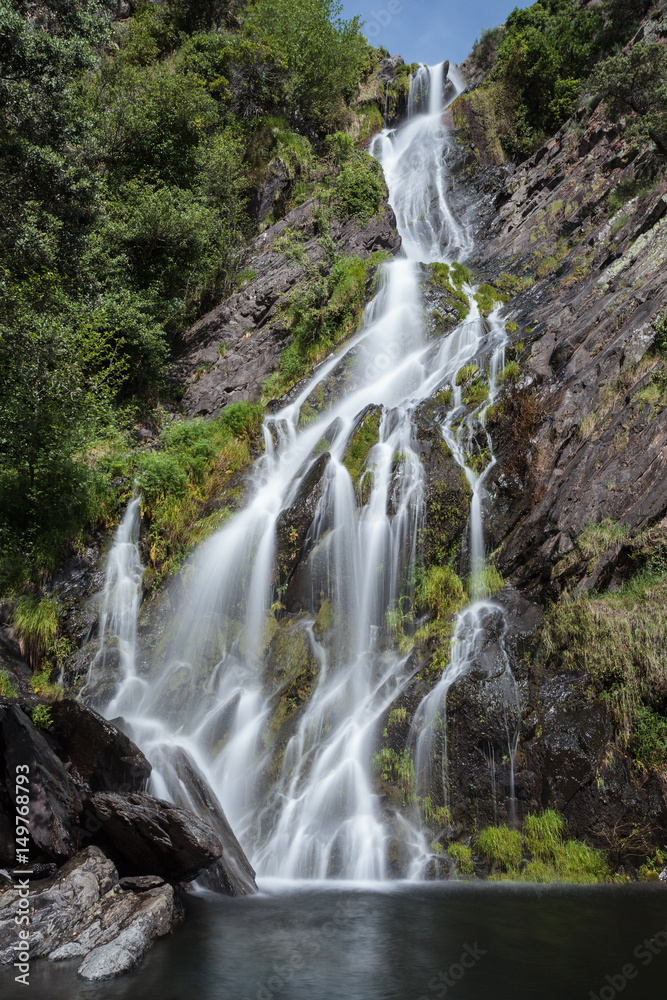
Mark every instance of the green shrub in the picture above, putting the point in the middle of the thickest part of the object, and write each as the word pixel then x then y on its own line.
pixel 501 846
pixel 41 717
pixel 359 188
pixel 41 684
pixel 36 624
pixel 543 834
pixel 462 855
pixel 7 687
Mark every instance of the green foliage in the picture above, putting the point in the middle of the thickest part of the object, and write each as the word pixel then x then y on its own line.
pixel 363 438
pixel 42 685
pixel 617 639
pixel 36 624
pixel 324 55
pixel 487 298
pixel 7 687
pixel 441 591
pixel 466 373
pixel 501 846
pixel 543 834
pixel 359 188
pixel 320 314
pixel 127 161
pixel 41 716
pixel 398 769
pixel 462 855
pixel 544 52
pixel 450 279
pixel 489 581
pixel 510 373
pixel 195 463
pixel 553 858
pixel 634 85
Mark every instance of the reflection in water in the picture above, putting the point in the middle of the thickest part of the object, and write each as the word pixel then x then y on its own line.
pixel 402 942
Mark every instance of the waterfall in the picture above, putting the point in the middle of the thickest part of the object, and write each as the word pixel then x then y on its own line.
pixel 121 598
pixel 281 713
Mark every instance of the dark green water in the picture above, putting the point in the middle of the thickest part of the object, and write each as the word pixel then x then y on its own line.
pixel 408 942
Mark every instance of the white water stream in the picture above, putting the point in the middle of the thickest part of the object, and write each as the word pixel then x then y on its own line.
pixel 299 791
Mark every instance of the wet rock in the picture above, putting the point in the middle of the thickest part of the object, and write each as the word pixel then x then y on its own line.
pixel 99 754
pixel 232 874
pixel 146 835
pixel 84 912
pixel 447 494
pixel 293 536
pixel 246 322
pixel 56 800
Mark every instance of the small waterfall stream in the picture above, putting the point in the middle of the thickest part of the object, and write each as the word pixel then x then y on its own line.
pixel 294 771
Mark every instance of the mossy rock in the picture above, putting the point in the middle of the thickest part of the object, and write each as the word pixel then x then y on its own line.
pixel 447 493
pixel 365 435
pixel 291 663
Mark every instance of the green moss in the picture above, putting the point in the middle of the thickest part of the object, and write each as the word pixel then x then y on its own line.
pixel 366 435
pixel 397 769
pixel 326 619
pixel 319 315
pixel 7 687
pixel 617 640
pixel 465 374
pixel 512 284
pixel 487 297
pixel 476 393
pixel 450 279
pixel 462 855
pixel 435 816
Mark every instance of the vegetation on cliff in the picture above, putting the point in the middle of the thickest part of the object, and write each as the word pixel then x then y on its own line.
pixel 131 154
pixel 538 66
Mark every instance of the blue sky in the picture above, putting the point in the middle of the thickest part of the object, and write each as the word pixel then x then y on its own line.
pixel 429 30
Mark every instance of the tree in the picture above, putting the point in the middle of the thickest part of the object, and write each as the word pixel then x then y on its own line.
pixel 634 85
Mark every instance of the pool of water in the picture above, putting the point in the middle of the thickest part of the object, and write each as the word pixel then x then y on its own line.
pixel 403 942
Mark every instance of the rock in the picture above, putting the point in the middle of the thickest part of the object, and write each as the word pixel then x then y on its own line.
pixel 146 835
pixel 232 874
pixel 100 755
pixel 293 537
pixel 447 494
pixel 246 324
pixel 56 800
pixel 83 911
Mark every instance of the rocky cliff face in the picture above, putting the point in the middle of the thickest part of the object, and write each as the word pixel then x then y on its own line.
pixel 227 355
pixel 578 501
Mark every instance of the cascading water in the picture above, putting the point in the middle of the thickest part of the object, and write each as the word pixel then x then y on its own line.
pixel 121 599
pixel 287 740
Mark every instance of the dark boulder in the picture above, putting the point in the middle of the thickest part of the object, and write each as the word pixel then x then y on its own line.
pixel 56 800
pixel 232 874
pixel 146 835
pixel 99 754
